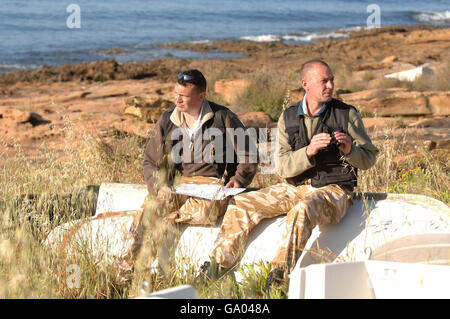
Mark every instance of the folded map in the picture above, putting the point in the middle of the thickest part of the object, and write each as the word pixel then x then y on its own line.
pixel 208 191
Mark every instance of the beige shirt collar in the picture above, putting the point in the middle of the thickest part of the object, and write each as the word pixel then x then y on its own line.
pixel 305 108
pixel 206 113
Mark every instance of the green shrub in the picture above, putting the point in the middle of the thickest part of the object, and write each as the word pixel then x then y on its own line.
pixel 265 93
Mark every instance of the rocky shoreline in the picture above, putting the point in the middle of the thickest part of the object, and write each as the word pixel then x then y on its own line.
pixel 96 97
pixel 362 49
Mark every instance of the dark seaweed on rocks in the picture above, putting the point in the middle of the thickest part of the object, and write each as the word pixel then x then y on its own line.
pixel 99 71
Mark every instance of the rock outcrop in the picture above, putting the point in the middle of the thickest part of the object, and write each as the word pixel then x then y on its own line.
pixel 399 102
pixel 148 112
pixel 54 104
pixel 256 119
pixel 230 90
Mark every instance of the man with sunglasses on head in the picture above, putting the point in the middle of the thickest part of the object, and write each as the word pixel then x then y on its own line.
pixel 190 144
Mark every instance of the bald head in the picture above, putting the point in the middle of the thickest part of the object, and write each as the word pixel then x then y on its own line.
pixel 310 65
pixel 318 82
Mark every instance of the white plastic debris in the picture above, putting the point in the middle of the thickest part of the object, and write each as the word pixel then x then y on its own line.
pixel 370 280
pixel 411 74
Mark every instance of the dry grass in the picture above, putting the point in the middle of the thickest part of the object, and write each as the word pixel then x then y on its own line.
pixel 59 183
pixel 407 167
pixel 38 195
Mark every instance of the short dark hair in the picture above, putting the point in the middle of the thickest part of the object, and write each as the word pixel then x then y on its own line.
pixel 196 78
pixel 308 64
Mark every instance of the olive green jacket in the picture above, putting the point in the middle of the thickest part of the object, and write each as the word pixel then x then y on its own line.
pixel 292 163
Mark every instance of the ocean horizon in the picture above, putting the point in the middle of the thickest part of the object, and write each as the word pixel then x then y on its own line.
pixel 36 33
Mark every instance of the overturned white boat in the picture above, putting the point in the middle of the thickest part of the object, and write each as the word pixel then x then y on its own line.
pixel 378 228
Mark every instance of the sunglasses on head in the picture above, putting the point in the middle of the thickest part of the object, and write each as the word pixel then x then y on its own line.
pixel 185 77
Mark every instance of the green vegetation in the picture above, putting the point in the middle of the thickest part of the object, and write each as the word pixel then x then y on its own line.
pixel 266 92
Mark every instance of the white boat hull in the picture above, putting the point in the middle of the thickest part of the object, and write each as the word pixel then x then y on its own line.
pixel 368 224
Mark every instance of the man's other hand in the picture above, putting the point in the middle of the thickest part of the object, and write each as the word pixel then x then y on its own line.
pixel 233 184
pixel 346 142
pixel 164 194
pixel 318 142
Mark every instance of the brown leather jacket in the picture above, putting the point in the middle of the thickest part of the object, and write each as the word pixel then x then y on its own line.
pixel 161 165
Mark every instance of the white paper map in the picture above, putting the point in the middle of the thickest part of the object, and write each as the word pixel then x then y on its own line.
pixel 208 191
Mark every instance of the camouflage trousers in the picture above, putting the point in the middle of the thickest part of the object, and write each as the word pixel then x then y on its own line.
pixel 159 221
pixel 305 206
pixel 194 210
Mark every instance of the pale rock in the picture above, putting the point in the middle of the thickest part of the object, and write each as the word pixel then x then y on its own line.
pixel 439 103
pixel 229 90
pixel 378 122
pixel 133 127
pixel 146 111
pixel 437 122
pixel 389 59
pixel 256 119
pixel 399 105
pixel 389 102
pixel 10 115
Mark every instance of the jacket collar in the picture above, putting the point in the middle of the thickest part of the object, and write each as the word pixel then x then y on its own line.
pixel 302 108
pixel 177 117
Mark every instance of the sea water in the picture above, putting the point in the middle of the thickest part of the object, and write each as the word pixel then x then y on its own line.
pixel 48 32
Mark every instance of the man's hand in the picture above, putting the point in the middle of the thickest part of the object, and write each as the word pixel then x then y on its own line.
pixel 233 184
pixel 318 142
pixel 346 142
pixel 164 194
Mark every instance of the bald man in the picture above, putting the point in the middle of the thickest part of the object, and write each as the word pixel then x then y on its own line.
pixel 321 145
